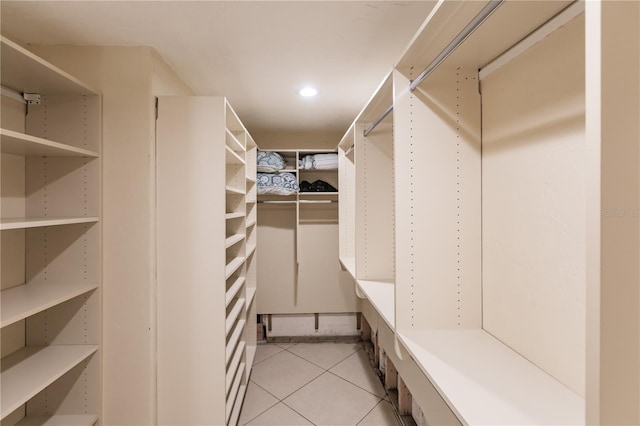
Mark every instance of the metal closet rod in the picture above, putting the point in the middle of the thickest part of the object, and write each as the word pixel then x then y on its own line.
pixel 451 47
pixel 378 121
pixel 457 41
pixel 299 201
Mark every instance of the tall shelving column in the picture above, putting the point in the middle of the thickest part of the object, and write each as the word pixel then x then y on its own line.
pixel 206 277
pixel 51 244
pixel 237 298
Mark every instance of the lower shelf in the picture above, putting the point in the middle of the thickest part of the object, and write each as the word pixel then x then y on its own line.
pixel 486 382
pixel 32 368
pixel 60 420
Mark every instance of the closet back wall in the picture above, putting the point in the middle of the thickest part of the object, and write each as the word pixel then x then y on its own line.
pixel 321 286
pixel 129 78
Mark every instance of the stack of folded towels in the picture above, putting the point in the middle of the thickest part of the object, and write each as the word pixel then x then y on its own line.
pixel 327 161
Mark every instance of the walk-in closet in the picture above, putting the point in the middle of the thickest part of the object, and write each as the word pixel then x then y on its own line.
pixel 383 213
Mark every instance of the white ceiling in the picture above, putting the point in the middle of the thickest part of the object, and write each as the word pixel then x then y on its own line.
pixel 257 53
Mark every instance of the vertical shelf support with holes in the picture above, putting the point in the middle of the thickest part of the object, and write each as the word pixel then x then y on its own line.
pixel 51 244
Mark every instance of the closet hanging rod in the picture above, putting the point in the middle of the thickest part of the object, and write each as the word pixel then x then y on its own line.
pixel 378 121
pixel 277 202
pixel 457 41
pixel 317 201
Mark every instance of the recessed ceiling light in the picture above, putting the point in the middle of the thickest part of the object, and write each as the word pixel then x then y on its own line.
pixel 308 92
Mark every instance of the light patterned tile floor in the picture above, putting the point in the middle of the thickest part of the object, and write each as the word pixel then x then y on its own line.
pixel 325 383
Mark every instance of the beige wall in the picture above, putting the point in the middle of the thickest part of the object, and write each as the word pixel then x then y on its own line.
pixel 128 78
pixel 295 140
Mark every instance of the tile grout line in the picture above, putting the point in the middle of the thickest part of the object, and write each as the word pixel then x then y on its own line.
pixel 264 411
pixel 369 412
pixel 358 386
pixel 319 366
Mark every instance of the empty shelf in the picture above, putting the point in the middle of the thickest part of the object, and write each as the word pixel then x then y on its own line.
pixel 234 239
pixel 234 289
pixel 233 366
pixel 20 144
pixel 233 315
pixel 486 382
pixel 234 339
pixel 23 71
pixel 251 249
pixel 25 300
pixel 251 292
pixel 232 190
pixel 233 143
pixel 233 266
pixel 32 368
pixel 250 355
pixel 38 222
pixel 230 216
pixel 238 405
pixel 251 223
pixel 232 157
pixel 60 420
pixel 232 400
pixel 381 294
pixel 349 264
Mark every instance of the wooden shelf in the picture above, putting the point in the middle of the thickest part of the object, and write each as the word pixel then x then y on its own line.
pixel 232 400
pixel 381 294
pixel 349 264
pixel 233 315
pixel 234 339
pixel 17 143
pixel 233 143
pixel 23 71
pixel 250 224
pixel 232 157
pixel 235 415
pixel 251 179
pixel 233 266
pixel 232 190
pixel 234 289
pixel 251 292
pixel 251 249
pixel 32 368
pixel 230 216
pixel 20 302
pixel 486 382
pixel 233 366
pixel 234 239
pixel 250 354
pixel 60 420
pixel 38 222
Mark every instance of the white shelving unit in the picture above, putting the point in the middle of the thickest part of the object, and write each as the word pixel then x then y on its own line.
pixel 212 257
pixel 51 244
pixel 477 295
pixel 298 242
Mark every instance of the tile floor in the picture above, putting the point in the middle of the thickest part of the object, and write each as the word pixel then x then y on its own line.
pixel 326 383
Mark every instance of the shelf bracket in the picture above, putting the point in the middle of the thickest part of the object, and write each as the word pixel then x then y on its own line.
pixel 32 98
